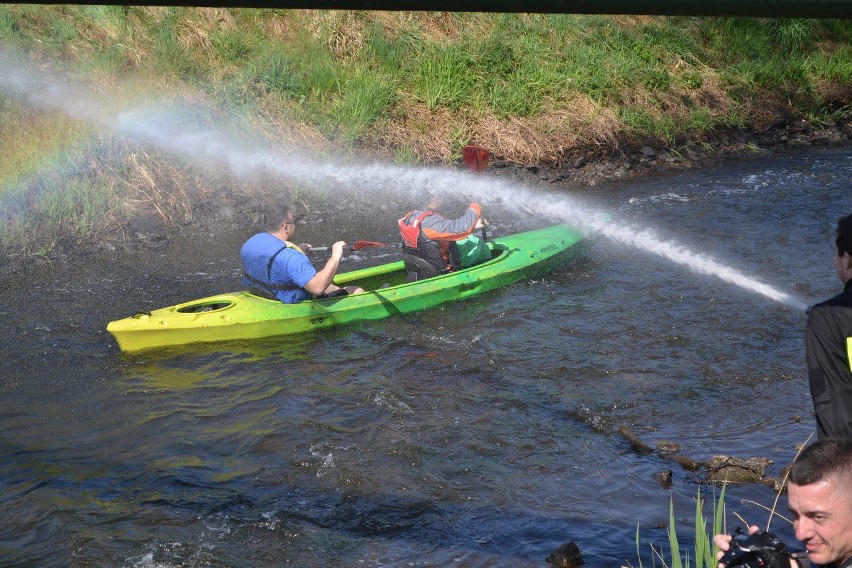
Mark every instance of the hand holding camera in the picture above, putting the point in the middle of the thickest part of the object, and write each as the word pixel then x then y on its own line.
pixel 760 549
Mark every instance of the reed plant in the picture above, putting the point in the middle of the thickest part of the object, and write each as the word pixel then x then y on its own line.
pixel 703 552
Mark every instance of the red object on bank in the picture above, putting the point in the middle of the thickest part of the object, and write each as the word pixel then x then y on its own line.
pixel 476 157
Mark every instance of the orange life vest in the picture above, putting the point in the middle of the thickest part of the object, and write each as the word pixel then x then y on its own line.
pixel 411 232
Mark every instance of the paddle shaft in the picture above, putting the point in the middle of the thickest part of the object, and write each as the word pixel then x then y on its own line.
pixel 357 245
pixel 477 158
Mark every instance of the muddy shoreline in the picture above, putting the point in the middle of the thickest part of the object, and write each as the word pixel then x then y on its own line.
pixel 582 168
pixel 223 212
pixel 637 159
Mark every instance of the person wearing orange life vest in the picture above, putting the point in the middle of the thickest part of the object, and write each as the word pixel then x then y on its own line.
pixel 431 236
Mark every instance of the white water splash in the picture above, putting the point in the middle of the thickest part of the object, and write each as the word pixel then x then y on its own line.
pixel 650 242
pixel 164 126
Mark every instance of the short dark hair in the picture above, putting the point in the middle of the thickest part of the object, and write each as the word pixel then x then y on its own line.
pixel 844 235
pixel 823 459
pixel 280 215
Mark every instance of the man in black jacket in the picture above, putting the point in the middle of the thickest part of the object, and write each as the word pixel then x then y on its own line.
pixel 828 343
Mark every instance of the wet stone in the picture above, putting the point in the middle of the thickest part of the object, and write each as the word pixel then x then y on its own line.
pixel 567 555
pixel 737 470
pixel 665 478
pixel 667 446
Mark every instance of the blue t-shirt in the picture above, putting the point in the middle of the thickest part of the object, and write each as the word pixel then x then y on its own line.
pixel 289 267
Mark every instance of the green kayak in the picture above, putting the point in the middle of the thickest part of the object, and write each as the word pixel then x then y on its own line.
pixel 242 315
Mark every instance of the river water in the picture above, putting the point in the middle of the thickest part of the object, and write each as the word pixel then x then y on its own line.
pixel 482 433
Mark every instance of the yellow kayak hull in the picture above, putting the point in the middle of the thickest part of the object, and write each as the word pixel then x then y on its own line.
pixel 245 316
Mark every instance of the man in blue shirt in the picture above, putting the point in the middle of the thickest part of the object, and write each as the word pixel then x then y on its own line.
pixel 274 266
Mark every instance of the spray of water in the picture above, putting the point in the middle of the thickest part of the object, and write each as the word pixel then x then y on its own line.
pixel 166 127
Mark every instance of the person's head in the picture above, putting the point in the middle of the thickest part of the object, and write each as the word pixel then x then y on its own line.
pixel 820 499
pixel 283 218
pixel 433 200
pixel 843 245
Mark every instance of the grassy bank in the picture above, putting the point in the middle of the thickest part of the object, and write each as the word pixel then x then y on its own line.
pixel 401 86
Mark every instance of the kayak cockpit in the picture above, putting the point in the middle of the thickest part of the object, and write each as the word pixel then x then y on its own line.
pixel 204 306
pixel 410 270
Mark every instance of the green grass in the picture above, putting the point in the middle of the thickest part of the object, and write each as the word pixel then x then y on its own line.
pixel 363 100
pixel 519 76
pixel 79 203
pixel 32 140
pixel 443 76
pixel 360 78
pixel 274 71
pixel 510 65
pixel 66 198
pixel 169 55
pixel 388 52
pixel 7 23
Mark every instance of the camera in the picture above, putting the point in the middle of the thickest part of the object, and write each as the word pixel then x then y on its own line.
pixel 758 550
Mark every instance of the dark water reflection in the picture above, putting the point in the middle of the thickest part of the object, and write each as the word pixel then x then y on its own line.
pixel 483 433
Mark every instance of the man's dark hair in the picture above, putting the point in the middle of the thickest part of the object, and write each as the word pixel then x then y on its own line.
pixel 844 235
pixel 823 459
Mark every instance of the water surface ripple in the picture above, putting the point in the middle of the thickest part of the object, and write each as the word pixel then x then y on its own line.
pixel 483 433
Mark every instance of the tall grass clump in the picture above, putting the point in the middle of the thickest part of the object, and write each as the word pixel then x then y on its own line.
pixel 77 207
pixel 45 211
pixel 363 100
pixel 74 197
pixel 109 25
pixel 703 551
pixel 232 47
pixel 793 36
pixel 389 51
pixel 7 23
pixel 170 55
pixel 32 140
pixel 520 76
pixel 444 76
pixel 344 101
pixel 273 70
